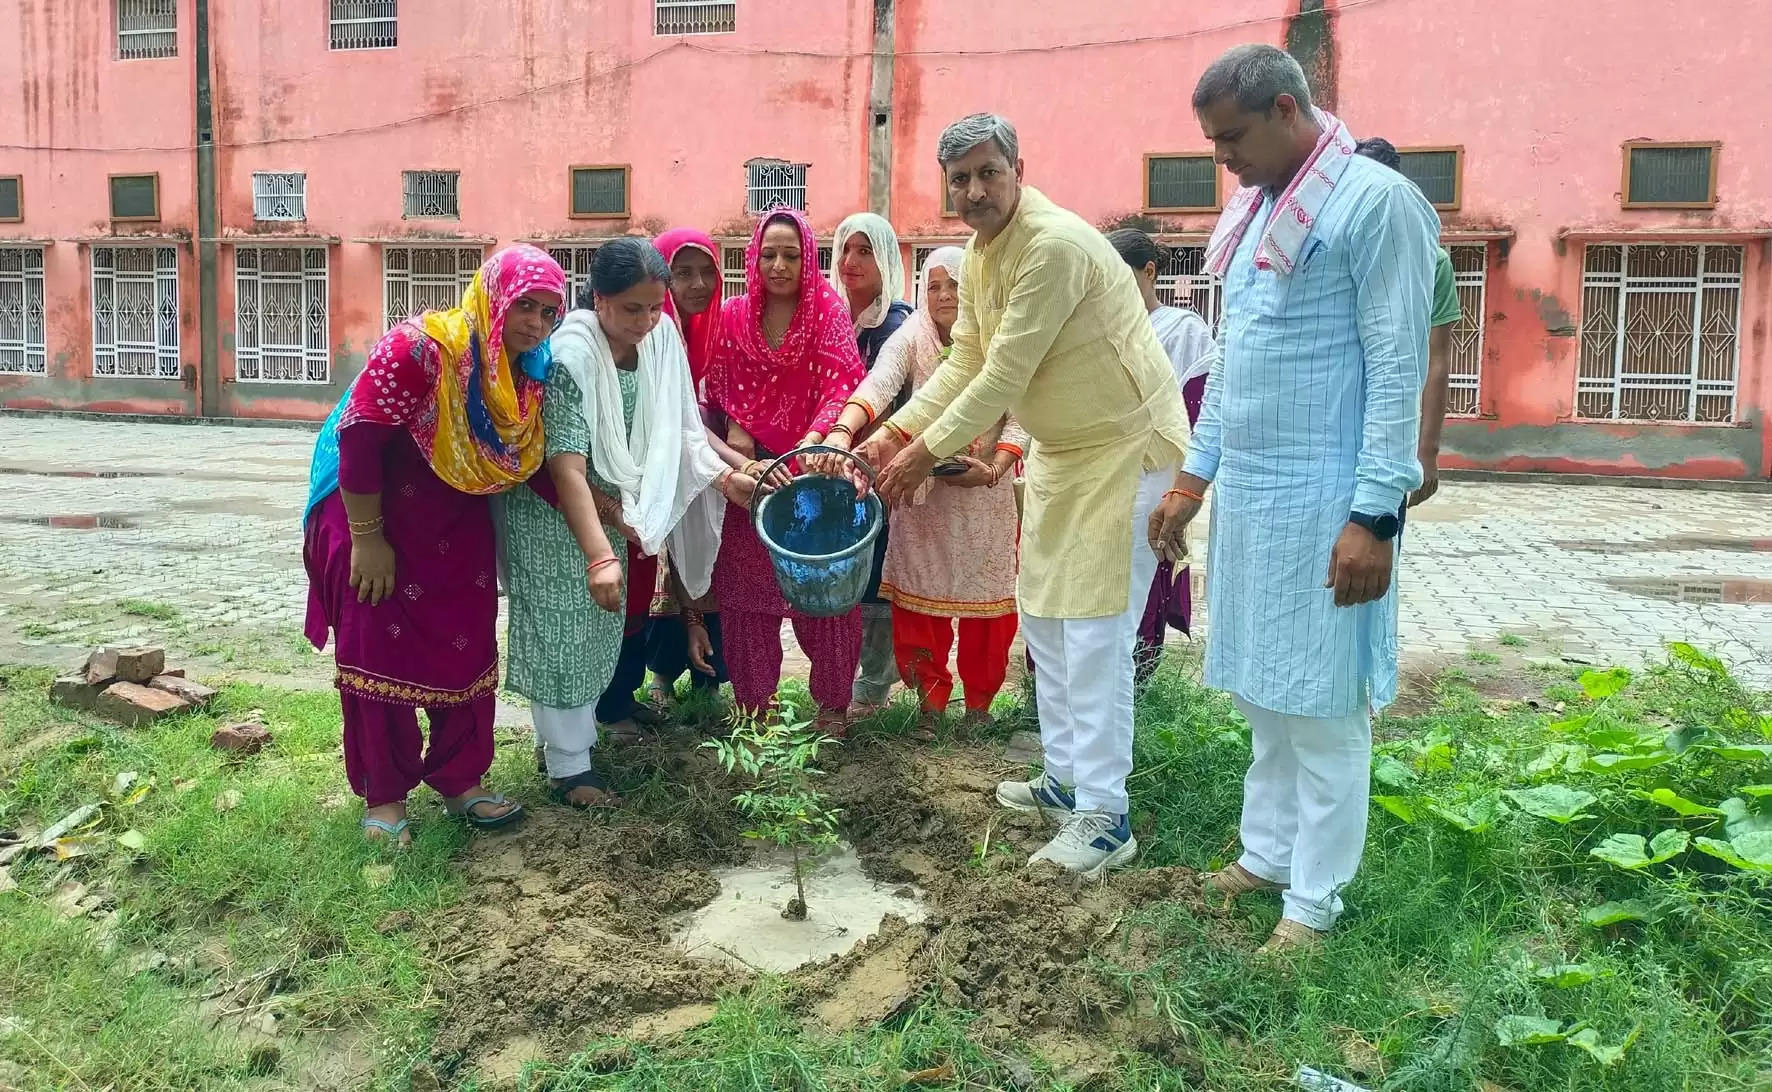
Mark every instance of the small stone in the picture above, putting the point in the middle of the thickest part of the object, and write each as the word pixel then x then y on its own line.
pixel 74 692
pixel 133 706
pixel 241 739
pixel 140 663
pixel 180 687
pixel 1024 749
pixel 101 667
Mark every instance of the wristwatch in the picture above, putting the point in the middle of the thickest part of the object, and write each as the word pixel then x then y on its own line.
pixel 1383 527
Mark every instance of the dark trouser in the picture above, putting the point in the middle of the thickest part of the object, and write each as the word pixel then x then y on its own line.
pixel 617 702
pixel 667 651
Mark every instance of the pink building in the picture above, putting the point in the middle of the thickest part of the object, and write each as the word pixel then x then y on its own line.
pixel 231 244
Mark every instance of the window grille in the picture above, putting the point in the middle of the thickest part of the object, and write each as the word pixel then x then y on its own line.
pixel 1180 183
pixel 280 315
pixel 599 192
pixel 21 311
pixel 279 195
pixel 1437 172
pixel 147 29
pixel 135 312
pixel 1182 281
pixel 770 184
pixel 732 271
pixel 1660 331
pixel 432 194
pixel 576 261
pixel 425 278
pixel 671 18
pixel 1470 275
pixel 135 197
pixel 363 24
pixel 1670 176
pixel 12 199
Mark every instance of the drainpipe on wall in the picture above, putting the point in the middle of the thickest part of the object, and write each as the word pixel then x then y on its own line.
pixel 880 111
pixel 208 288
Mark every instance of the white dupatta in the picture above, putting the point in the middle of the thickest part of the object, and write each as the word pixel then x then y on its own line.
pixel 663 465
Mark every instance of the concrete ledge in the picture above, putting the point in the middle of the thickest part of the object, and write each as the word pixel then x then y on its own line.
pixel 1638 481
pixel 166 419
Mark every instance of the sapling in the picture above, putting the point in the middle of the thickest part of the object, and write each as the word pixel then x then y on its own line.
pixel 782 805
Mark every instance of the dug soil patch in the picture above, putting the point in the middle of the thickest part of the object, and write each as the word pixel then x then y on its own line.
pixel 566 933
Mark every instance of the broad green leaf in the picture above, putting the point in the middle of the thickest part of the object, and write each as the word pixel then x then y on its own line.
pixel 132 840
pixel 1386 770
pixel 1678 804
pixel 1433 755
pixel 1564 976
pixel 1667 845
pixel 1741 817
pixel 1575 723
pixel 1681 652
pixel 1558 803
pixel 1729 853
pixel 1474 816
pixel 1623 850
pixel 1616 763
pixel 1512 1031
pixel 1567 757
pixel 1744 752
pixel 1614 913
pixel 1628 739
pixel 1400 806
pixel 1588 1039
pixel 1755 791
pixel 1603 684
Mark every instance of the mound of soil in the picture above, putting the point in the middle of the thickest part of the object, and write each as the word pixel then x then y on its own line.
pixel 565 934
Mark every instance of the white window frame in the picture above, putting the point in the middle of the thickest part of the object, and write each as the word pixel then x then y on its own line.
pixel 159 357
pixel 380 20
pixel 418 188
pixel 732 267
pixel 1612 318
pixel 153 42
pixel 774 183
pixel 279 196
pixel 700 17
pixel 311 354
pixel 23 350
pixel 1472 286
pixel 403 286
pixel 576 260
pixel 1182 282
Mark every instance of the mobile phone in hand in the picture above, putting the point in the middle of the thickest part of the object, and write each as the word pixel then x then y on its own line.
pixel 949 468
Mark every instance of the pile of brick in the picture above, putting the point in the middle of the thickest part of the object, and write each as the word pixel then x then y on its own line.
pixel 130 685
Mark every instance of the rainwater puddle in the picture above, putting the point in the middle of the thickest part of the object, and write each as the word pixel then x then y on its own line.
pixel 1670 544
pixel 1719 590
pixel 100 521
pixel 744 926
pixel 47 472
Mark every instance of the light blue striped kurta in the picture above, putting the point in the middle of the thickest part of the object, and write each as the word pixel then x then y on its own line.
pixel 1314 414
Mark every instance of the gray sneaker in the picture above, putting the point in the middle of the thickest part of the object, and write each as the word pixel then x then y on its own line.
pixel 1043 794
pixel 1090 843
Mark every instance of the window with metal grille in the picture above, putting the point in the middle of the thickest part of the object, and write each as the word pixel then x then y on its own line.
pixel 576 261
pixel 135 312
pixel 21 310
pixel 135 197
pixel 12 198
pixel 425 278
pixel 280 315
pixel 279 195
pixel 432 194
pixel 363 24
pixel 771 183
pixel 147 29
pixel 1437 172
pixel 1180 183
pixel 919 258
pixel 1670 176
pixel 827 256
pixel 599 193
pixel 731 271
pixel 1182 281
pixel 1470 275
pixel 673 18
pixel 1660 332
pixel 947 199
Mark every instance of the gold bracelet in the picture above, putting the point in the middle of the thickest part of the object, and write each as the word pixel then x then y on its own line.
pixel 365 527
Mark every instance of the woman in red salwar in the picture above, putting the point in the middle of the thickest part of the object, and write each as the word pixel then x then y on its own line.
pixel 400 551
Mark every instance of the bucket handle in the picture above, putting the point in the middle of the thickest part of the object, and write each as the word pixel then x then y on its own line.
pixel 812 449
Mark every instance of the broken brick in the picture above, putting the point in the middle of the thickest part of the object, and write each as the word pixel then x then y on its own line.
pixel 133 705
pixel 140 663
pixel 180 687
pixel 101 667
pixel 74 692
pixel 244 739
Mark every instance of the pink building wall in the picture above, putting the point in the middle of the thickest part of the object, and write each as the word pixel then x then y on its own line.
pixel 1540 97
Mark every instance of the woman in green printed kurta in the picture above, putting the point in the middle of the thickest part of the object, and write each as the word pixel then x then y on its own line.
pixel 631 465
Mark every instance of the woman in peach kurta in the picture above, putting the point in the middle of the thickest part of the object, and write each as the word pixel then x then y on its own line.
pixel 952 554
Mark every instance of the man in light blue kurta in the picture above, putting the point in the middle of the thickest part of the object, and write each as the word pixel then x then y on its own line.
pixel 1308 439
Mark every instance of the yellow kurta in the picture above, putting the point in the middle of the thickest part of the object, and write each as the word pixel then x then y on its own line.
pixel 1052 328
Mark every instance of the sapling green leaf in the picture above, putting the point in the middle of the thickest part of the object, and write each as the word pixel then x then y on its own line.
pixel 1558 803
pixel 1678 804
pixel 1516 1030
pixel 1607 1054
pixel 1565 976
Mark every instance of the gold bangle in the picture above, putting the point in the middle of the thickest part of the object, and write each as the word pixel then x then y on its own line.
pixel 365 527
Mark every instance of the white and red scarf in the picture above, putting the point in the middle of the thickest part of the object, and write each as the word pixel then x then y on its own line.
pixel 1295 212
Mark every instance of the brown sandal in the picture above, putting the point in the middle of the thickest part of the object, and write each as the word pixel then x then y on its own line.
pixel 1233 880
pixel 1291 936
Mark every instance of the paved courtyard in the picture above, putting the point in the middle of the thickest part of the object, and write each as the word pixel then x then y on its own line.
pixel 190 535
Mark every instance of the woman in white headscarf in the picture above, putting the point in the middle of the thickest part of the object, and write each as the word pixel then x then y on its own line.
pixel 869 273
pixel 953 551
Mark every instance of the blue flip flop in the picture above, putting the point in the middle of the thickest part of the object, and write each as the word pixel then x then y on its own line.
pixel 488 822
pixel 391 831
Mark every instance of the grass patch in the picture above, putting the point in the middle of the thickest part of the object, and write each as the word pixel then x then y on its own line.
pixel 1511 640
pixel 145 608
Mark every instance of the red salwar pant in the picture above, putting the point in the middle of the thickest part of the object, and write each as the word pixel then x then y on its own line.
pixel 386 755
pixel 921 643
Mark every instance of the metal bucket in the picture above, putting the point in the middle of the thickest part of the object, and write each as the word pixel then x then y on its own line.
pixel 820 536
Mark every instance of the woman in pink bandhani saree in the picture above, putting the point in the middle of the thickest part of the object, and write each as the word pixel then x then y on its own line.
pixel 784 362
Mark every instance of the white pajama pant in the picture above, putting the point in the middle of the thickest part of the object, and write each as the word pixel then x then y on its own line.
pixel 1304 806
pixel 1083 682
pixel 567 737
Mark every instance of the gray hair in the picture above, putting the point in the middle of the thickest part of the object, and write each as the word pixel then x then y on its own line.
pixel 1253 76
pixel 969 132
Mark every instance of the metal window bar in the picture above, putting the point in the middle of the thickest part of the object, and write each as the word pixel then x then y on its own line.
pixel 363 24
pixel 731 272
pixel 1670 175
pixel 1182 182
pixel 600 191
pixel 673 18
pixel 135 312
pixel 280 315
pixel 1435 174
pixel 1470 275
pixel 432 194
pixel 576 261
pixel 279 195
pixel 147 29
pixel 771 184
pixel 1182 281
pixel 21 311
pixel 1660 332
pixel 416 279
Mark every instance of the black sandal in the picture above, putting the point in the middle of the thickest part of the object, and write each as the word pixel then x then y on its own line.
pixel 562 792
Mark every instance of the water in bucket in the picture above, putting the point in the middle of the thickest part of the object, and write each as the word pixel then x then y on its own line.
pixel 820 539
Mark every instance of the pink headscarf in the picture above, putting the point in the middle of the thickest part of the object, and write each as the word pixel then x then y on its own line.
pixel 698 330
pixel 778 395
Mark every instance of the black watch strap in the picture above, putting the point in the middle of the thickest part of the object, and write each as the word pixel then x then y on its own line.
pixel 1383 526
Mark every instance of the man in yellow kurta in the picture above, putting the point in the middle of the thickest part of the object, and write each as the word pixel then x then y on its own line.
pixel 1053 329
